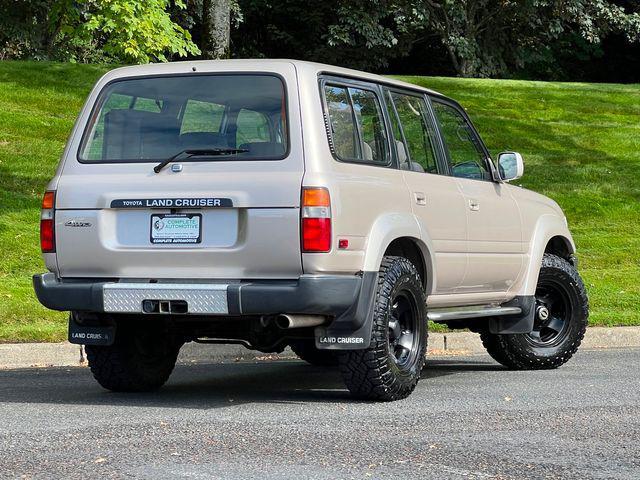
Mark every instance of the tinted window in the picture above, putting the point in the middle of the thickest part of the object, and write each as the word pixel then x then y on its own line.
pixel 357 128
pixel 343 131
pixel 116 101
pixel 155 118
pixel 147 104
pixel 465 153
pixel 201 117
pixel 253 127
pixel 414 135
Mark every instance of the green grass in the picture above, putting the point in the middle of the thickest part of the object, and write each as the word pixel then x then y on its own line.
pixel 581 143
pixel 39 103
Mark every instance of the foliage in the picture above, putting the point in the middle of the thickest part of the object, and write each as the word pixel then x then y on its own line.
pixel 481 37
pixel 135 31
pixel 294 29
pixel 23 32
pixel 580 143
pixel 271 27
pixel 138 31
pixel 463 37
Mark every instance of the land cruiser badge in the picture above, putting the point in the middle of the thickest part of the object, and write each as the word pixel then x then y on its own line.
pixel 77 223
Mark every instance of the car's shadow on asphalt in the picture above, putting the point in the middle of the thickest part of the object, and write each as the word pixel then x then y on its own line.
pixel 207 386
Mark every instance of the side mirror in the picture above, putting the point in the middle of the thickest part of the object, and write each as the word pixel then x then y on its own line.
pixel 510 166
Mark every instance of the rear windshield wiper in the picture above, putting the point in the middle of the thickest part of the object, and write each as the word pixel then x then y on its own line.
pixel 198 152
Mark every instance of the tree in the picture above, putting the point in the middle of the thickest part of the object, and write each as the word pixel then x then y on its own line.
pixel 216 27
pixel 531 38
pixel 130 31
pixel 30 28
pixel 139 31
pixel 314 31
pixel 481 37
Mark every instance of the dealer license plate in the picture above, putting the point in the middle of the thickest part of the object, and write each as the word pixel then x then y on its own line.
pixel 176 228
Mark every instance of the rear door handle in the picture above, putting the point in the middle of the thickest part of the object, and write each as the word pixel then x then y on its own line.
pixel 474 205
pixel 421 198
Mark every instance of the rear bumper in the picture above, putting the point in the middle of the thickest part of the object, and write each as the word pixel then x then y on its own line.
pixel 346 298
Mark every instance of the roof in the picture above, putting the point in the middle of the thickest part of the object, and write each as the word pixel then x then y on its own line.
pixel 264 64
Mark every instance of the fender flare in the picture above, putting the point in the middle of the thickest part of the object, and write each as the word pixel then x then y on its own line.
pixel 390 227
pixel 547 227
pixel 356 322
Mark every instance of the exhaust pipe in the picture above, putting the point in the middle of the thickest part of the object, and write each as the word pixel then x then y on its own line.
pixel 286 321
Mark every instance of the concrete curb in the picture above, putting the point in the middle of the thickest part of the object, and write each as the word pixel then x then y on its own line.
pixel 26 355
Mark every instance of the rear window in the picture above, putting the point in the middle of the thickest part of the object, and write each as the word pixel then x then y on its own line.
pixel 154 118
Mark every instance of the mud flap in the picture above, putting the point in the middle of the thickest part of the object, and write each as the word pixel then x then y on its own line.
pixel 512 324
pixel 352 329
pixel 103 335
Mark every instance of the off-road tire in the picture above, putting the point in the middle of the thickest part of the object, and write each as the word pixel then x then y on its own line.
pixel 138 361
pixel 306 350
pixel 517 352
pixel 372 373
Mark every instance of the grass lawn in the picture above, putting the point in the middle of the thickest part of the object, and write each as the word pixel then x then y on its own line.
pixel 581 144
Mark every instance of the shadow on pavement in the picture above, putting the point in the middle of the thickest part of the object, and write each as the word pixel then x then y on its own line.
pixel 205 386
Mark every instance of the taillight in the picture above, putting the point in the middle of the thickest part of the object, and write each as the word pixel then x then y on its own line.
pixel 47 229
pixel 316 220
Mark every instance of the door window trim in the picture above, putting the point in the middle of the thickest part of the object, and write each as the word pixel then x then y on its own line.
pixel 387 95
pixel 346 83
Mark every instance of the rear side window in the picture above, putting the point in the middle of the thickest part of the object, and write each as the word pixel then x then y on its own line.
pixel 154 118
pixel 414 135
pixel 357 131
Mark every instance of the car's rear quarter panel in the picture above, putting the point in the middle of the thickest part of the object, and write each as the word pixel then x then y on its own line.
pixel 370 205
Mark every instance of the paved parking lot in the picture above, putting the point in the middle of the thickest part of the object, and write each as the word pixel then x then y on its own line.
pixel 469 418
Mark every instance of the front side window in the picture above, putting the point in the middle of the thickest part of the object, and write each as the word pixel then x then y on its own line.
pixel 414 136
pixel 466 156
pixel 356 125
pixel 151 119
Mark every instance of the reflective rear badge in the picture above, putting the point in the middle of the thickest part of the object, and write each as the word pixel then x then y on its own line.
pixel 341 340
pixel 208 202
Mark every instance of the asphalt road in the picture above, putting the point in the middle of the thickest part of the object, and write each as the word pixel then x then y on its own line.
pixel 468 418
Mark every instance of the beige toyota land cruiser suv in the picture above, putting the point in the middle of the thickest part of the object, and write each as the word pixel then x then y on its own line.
pixel 275 203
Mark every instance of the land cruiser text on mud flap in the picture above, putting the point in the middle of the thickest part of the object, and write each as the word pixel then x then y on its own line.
pixel 284 203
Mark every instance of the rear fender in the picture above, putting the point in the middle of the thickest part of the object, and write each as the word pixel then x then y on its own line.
pixel 390 227
pixel 355 324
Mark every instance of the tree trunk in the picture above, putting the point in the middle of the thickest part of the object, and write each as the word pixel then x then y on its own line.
pixel 467 68
pixel 454 60
pixel 216 25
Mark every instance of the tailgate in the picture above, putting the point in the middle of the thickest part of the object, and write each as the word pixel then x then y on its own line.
pixel 218 216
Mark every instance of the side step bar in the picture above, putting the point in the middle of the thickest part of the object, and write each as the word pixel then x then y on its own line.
pixel 474 311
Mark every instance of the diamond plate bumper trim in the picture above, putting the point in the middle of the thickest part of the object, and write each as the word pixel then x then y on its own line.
pixel 200 298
